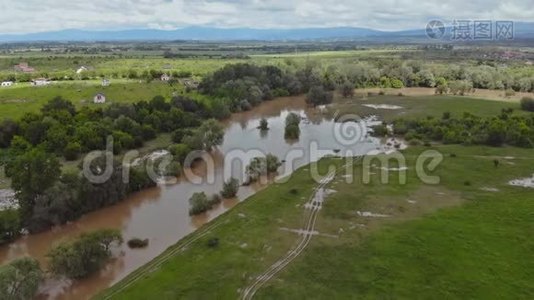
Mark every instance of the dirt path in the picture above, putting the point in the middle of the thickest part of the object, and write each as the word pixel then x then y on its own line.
pixel 315 204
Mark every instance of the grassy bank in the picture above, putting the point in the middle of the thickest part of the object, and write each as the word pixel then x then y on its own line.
pixel 455 239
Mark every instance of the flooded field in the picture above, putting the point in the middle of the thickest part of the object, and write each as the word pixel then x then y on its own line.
pixel 161 214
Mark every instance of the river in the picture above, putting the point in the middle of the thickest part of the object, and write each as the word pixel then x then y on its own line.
pixel 161 213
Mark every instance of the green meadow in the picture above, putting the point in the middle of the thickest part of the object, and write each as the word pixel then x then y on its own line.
pixel 468 236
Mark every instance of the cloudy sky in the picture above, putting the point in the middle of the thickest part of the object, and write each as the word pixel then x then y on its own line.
pixel 23 16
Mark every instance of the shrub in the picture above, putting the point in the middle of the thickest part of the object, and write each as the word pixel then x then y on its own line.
pixel 527 103
pixel 137 243
pixel 467 183
pixel 213 243
pixel 264 125
pixel 72 151
pixel 199 204
pixel 262 166
pixel 293 191
pixel 215 199
pixel 10 225
pixel 292 132
pixel 230 188
pixel 380 130
pixel 509 93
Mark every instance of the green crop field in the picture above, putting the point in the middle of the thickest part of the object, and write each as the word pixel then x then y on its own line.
pixel 17 100
pixel 469 235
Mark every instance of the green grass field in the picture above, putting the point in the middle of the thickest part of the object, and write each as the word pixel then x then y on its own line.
pixel 17 100
pixel 452 240
pixel 421 106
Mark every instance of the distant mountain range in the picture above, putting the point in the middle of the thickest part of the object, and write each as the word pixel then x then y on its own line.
pixel 522 30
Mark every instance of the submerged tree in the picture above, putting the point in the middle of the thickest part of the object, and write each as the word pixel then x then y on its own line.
pixel 20 279
pixel 230 188
pixel 85 255
pixel 292 130
pixel 264 125
pixel 260 166
pixel 199 203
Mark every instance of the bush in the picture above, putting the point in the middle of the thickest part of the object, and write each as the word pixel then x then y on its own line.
pixel 10 225
pixel 527 103
pixel 215 199
pixel 230 188
pixel 262 166
pixel 199 204
pixel 293 191
pixel 264 125
pixel 137 243
pixel 72 151
pixel 292 132
pixel 380 130
pixel 213 243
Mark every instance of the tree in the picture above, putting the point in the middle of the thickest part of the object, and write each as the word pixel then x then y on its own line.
pixel 527 103
pixel 292 130
pixel 207 136
pixel 264 125
pixel 31 174
pixel 9 225
pixel 347 89
pixel 58 104
pixel 19 280
pixel 230 188
pixel 84 255
pixel 199 203
pixel 179 152
pixel 317 96
pixel 260 166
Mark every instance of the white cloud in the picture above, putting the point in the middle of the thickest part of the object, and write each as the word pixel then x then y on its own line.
pixel 37 15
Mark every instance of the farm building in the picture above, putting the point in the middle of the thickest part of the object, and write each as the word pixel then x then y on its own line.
pixel 105 82
pixel 165 77
pixel 24 67
pixel 40 82
pixel 7 83
pixel 99 98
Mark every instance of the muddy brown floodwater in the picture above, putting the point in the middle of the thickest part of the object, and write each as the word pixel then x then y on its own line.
pixel 161 213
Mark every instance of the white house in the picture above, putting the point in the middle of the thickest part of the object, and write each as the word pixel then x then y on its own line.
pixel 81 69
pixel 40 82
pixel 7 83
pixel 99 98
pixel 165 77
pixel 105 82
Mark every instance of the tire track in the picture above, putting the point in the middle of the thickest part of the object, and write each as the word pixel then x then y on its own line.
pixel 279 265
